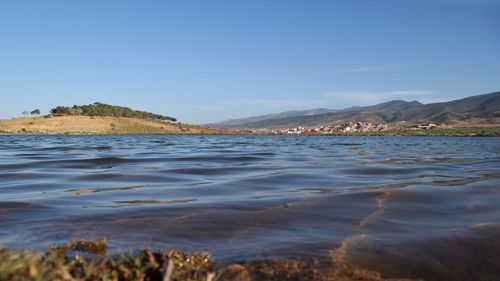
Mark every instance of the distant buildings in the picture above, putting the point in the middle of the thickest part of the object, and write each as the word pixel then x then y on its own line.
pixel 426 126
pixel 346 128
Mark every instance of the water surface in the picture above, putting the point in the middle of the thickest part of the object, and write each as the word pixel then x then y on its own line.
pixel 426 207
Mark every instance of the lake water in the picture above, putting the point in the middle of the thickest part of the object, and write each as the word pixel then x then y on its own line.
pixel 426 207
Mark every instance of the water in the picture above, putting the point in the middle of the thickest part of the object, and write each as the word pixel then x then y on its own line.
pixel 403 206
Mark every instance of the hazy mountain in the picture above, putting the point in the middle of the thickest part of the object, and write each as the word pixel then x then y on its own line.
pixel 481 106
pixel 241 122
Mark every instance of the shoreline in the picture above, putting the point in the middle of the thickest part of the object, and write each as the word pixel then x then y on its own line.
pixel 109 125
pixel 406 133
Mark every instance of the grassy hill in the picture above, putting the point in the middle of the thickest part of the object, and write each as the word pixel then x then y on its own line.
pixel 100 118
pixel 79 124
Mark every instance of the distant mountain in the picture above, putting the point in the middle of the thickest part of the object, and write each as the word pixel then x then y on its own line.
pixel 414 112
pixel 241 122
pixel 481 106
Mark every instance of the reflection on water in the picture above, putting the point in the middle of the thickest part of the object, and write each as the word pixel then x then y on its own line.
pixel 416 207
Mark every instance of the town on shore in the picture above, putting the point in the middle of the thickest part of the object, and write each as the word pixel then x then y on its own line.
pixel 344 128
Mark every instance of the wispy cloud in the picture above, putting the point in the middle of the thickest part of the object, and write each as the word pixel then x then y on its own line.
pixel 369 97
pixel 433 100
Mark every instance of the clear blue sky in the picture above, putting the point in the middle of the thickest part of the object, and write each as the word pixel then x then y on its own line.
pixel 204 61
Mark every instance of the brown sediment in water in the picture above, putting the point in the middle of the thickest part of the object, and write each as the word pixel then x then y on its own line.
pixel 84 260
pixel 379 211
pixel 340 255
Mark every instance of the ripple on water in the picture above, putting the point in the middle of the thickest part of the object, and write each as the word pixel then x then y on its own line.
pixel 418 207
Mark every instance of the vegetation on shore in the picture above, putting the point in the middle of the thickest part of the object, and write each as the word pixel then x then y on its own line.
pixel 448 132
pixel 101 109
pixel 83 260
pixel 462 131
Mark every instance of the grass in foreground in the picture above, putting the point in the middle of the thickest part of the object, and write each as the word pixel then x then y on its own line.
pixel 87 260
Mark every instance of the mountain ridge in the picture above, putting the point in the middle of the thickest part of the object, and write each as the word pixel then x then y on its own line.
pixel 284 114
pixel 394 111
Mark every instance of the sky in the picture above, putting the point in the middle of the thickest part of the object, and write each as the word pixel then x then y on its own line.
pixel 207 61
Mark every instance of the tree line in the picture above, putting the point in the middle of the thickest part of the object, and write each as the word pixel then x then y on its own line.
pixel 101 109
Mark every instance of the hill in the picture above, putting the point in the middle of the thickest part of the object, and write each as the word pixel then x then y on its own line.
pixel 481 108
pixel 98 125
pixel 100 118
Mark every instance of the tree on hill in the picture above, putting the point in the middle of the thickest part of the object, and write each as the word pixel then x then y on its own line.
pixel 101 109
pixel 60 110
pixel 25 113
pixel 35 112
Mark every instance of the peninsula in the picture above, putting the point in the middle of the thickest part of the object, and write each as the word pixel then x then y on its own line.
pixel 100 118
